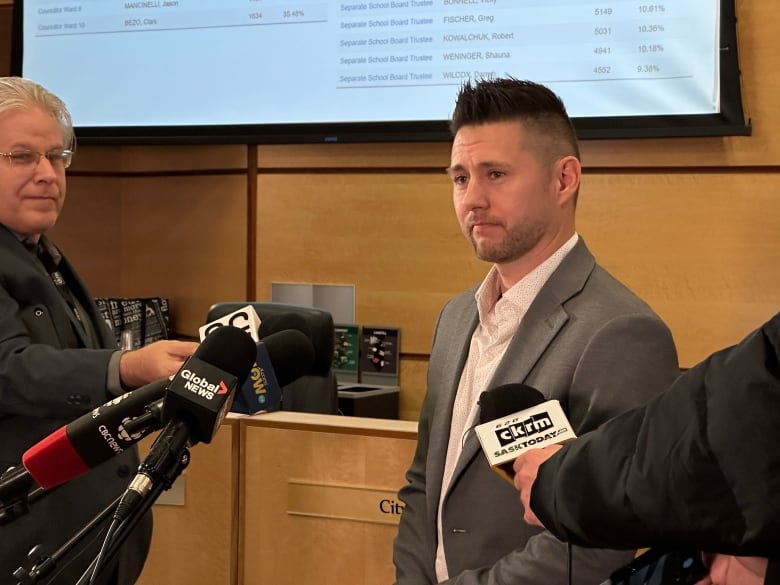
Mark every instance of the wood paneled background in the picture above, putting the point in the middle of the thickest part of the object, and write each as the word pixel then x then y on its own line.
pixel 692 225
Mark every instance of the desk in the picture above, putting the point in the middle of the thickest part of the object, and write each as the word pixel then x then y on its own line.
pixel 318 498
pixel 285 498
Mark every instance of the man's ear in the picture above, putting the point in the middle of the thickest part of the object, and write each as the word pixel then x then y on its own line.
pixel 568 172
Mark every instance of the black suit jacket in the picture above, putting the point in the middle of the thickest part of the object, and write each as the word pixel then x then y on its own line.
pixel 697 466
pixel 50 374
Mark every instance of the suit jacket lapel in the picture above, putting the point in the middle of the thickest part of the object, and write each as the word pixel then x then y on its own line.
pixel 14 246
pixel 450 373
pixel 78 291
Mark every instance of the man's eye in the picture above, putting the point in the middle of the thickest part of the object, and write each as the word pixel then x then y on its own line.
pixel 23 157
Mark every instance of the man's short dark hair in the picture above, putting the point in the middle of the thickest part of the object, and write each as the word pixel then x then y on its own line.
pixel 507 99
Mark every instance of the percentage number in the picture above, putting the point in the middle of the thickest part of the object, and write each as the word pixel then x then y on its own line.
pixel 648 68
pixel 650 48
pixel 292 13
pixel 651 8
pixel 650 28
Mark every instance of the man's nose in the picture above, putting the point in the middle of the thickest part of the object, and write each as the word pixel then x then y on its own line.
pixel 474 194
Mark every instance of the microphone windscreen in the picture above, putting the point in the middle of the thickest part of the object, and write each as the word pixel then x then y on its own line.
pixel 291 354
pixel 507 399
pixel 54 460
pixel 274 323
pixel 230 349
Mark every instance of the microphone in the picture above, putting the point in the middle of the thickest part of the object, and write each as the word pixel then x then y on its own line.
pixel 99 435
pixel 201 392
pixel 514 418
pixel 88 441
pixel 280 358
pixel 196 401
pixel 262 391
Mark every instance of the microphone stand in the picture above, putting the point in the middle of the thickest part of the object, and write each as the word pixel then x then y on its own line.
pixel 39 565
pixel 21 506
pixel 168 456
pixel 143 506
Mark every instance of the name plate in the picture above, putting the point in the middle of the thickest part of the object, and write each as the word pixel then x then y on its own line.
pixel 343 502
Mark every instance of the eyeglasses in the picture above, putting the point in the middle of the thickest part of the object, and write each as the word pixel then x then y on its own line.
pixel 28 159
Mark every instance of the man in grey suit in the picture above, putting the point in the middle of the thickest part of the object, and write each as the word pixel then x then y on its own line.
pixel 58 359
pixel 546 315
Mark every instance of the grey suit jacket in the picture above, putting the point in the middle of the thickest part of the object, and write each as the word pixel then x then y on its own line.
pixel 586 341
pixel 50 375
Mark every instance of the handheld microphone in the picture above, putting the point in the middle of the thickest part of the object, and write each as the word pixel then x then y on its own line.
pixel 91 439
pixel 281 358
pixel 514 418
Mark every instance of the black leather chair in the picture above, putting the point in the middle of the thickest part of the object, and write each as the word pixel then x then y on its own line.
pixel 317 390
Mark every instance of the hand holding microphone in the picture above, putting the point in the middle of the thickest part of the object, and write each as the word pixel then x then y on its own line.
pixel 526 467
pixel 151 362
pixel 515 418
pixel 519 430
pixel 196 401
pixel 100 434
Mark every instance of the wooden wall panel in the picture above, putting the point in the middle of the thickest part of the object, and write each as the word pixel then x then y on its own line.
pixel 89 233
pixel 159 160
pixel 354 156
pixel 702 249
pixel 393 236
pixel 414 369
pixel 184 159
pixel 184 238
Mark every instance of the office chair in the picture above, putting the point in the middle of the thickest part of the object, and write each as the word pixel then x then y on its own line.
pixel 317 390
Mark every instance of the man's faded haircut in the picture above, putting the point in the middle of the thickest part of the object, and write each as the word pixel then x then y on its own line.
pixel 507 99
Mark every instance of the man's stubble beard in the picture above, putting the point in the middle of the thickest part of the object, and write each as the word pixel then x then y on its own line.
pixel 519 240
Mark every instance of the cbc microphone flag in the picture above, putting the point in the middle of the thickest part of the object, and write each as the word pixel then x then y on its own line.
pixel 245 318
pixel 505 438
